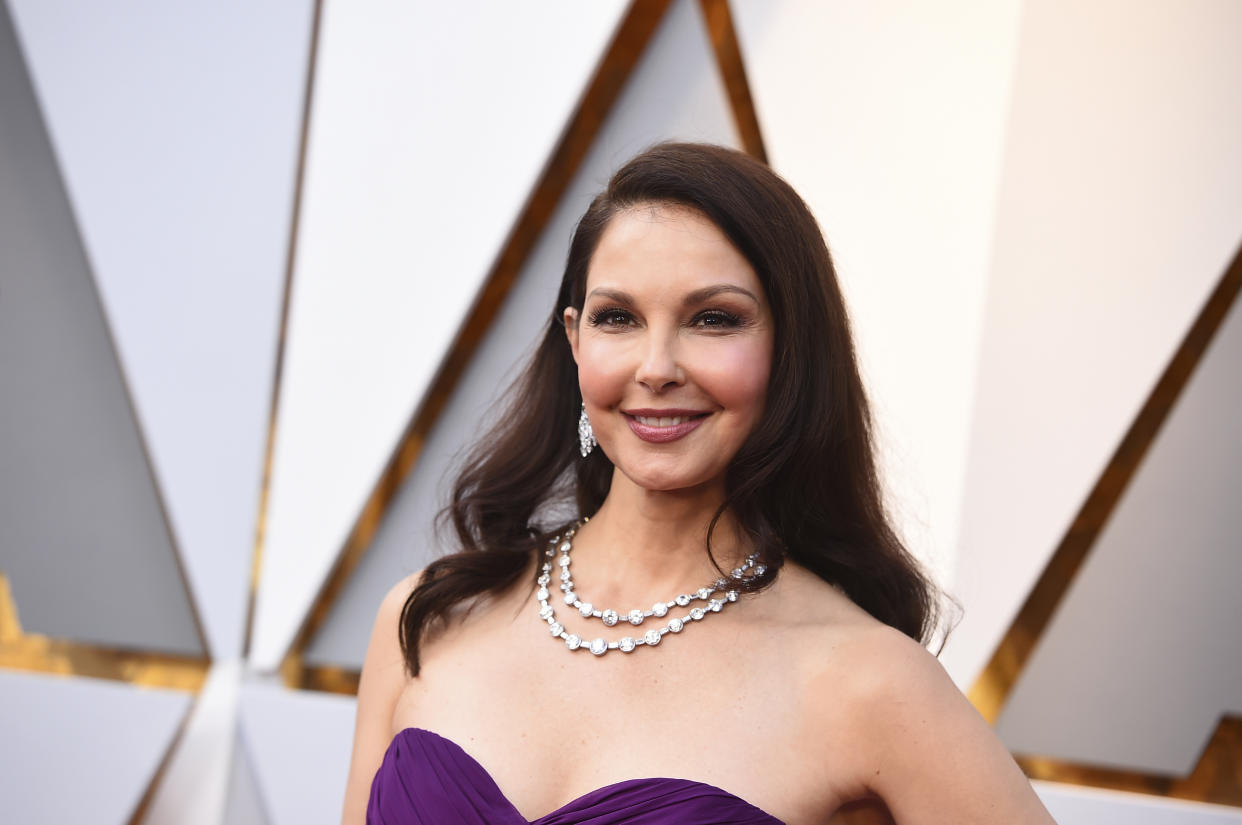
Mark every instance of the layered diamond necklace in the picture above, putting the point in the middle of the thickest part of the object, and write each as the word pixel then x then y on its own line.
pixel 716 595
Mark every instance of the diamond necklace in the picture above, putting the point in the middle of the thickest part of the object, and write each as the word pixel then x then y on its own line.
pixel 636 616
pixel 627 644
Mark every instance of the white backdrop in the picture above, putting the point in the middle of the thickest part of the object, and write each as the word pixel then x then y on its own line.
pixel 1028 201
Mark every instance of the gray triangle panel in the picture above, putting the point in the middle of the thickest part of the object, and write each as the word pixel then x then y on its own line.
pixel 1141 659
pixel 83 538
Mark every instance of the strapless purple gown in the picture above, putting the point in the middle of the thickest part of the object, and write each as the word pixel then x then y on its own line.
pixel 426 779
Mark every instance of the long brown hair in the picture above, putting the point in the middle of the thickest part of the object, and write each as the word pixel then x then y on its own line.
pixel 803 486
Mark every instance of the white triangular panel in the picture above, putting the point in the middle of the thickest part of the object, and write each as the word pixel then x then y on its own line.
pixel 430 125
pixel 176 127
pixel 888 119
pixel 1120 206
pixel 195 785
pixel 300 744
pixel 675 92
pixel 80 750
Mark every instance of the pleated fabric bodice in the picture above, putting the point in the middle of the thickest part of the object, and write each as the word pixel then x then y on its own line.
pixel 426 779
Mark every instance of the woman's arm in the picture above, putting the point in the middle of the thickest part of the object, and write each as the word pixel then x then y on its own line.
pixel 383 677
pixel 926 751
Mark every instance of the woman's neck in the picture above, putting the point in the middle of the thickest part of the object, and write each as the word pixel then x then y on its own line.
pixel 646 545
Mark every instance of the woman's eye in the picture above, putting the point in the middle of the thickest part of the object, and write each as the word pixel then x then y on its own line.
pixel 716 319
pixel 610 318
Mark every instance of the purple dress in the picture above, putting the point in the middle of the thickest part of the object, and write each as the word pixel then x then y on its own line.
pixel 426 779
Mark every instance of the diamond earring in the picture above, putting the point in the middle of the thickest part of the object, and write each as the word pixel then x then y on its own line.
pixel 586 436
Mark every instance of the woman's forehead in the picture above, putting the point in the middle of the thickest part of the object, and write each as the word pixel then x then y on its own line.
pixel 666 246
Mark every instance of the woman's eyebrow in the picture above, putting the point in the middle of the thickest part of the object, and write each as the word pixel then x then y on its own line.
pixel 709 292
pixel 698 296
pixel 614 294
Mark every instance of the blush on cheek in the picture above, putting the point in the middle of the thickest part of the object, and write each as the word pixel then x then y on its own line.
pixel 601 386
pixel 740 378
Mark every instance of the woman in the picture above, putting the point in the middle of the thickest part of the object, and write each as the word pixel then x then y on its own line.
pixel 692 434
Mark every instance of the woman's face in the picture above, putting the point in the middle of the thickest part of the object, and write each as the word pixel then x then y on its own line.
pixel 674 347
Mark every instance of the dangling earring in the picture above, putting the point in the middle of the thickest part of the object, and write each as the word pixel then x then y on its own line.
pixel 586 436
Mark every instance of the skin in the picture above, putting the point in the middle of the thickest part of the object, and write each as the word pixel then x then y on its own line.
pixel 793 699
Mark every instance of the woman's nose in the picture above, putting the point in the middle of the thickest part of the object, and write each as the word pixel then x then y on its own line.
pixel 660 367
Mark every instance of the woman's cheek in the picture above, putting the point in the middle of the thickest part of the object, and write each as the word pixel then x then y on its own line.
pixel 738 377
pixel 600 375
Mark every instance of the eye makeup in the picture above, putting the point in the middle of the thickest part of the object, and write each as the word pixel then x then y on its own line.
pixel 717 319
pixel 605 316
pixel 611 316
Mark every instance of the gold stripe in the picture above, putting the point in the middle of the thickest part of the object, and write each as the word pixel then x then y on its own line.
pixel 1216 778
pixel 329 679
pixel 991 690
pixel 723 34
pixel 10 624
pixel 41 654
pixel 627 45
pixel 260 532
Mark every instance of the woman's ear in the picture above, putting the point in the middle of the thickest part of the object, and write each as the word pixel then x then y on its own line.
pixel 571 330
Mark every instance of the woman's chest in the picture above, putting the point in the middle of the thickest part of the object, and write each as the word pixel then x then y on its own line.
pixel 550 725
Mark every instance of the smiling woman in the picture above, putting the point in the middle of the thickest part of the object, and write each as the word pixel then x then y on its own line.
pixel 675 348
pixel 692 432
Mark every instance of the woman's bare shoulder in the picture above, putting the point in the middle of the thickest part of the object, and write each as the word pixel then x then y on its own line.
pixel 379 687
pixel 852 663
pixel 385 662
pixel 820 613
pixel 914 739
pixel 832 631
pixel 394 600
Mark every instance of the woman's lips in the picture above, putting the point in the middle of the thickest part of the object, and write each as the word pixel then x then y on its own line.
pixel 660 427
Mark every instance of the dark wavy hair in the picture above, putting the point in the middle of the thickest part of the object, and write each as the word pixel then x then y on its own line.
pixel 803 486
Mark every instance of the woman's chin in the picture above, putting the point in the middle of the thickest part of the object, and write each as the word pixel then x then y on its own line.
pixel 663 480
